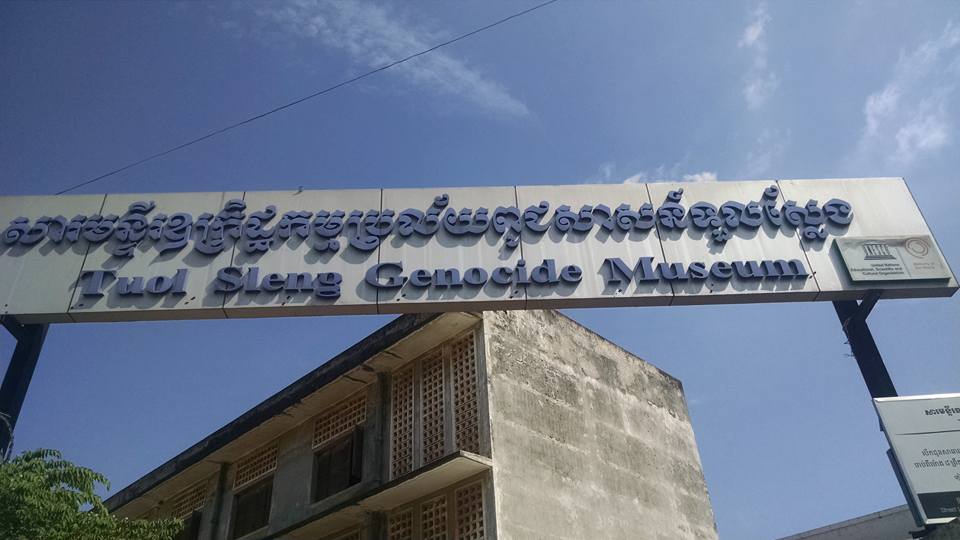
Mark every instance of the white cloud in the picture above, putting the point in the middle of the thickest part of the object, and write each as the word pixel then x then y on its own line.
pixel 604 173
pixel 660 174
pixel 766 152
pixel 704 176
pixel 878 106
pixel 910 116
pixel 608 171
pixel 921 134
pixel 753 33
pixel 758 88
pixel 760 82
pixel 371 35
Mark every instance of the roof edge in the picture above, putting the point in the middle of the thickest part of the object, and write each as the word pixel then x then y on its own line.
pixel 381 339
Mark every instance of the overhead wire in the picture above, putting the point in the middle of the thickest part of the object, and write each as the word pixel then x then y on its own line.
pixel 308 97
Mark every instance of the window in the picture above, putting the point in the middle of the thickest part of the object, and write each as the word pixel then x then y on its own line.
pixel 191 527
pixel 251 507
pixel 469 517
pixel 465 400
pixel 340 419
pixel 400 525
pixel 187 506
pixel 436 396
pixel 455 514
pixel 402 420
pixel 338 465
pixel 255 465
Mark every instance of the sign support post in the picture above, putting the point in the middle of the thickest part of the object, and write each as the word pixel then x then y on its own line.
pixel 30 339
pixel 853 318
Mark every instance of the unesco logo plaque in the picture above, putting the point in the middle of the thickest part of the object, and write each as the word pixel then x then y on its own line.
pixel 892 259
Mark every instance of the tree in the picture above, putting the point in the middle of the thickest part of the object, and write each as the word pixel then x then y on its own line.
pixel 45 497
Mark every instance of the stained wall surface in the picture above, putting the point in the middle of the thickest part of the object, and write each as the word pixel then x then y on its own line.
pixel 588 441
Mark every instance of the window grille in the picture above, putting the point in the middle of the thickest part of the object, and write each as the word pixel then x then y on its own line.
pixel 469 503
pixel 400 525
pixel 466 413
pixel 256 465
pixel 340 419
pixel 454 513
pixel 436 398
pixel 433 519
pixel 432 391
pixel 401 438
pixel 190 499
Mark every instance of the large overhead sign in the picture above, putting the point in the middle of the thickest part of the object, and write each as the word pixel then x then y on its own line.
pixel 924 435
pixel 253 254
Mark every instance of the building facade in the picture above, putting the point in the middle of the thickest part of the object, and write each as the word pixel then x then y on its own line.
pixel 457 426
pixel 891 524
pixel 895 523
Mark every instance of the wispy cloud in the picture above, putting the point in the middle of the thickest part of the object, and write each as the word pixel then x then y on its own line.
pixel 660 173
pixel 760 82
pixel 607 172
pixel 373 35
pixel 703 176
pixel 767 151
pixel 911 115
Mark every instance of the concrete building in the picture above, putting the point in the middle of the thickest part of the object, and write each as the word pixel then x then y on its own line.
pixel 891 524
pixel 518 424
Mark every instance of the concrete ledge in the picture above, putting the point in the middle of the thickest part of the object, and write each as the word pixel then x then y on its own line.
pixel 442 473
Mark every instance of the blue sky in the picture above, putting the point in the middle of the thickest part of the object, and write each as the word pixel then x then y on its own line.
pixel 575 92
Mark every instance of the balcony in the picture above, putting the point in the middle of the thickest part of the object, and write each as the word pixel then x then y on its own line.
pixel 428 479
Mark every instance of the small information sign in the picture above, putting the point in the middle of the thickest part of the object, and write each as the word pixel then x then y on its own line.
pixel 924 435
pixel 901 258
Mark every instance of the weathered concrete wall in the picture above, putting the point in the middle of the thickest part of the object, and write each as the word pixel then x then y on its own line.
pixel 588 440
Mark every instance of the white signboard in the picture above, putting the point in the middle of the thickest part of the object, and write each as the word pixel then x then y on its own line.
pixel 257 254
pixel 924 434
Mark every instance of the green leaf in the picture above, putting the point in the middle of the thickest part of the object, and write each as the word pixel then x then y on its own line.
pixel 45 497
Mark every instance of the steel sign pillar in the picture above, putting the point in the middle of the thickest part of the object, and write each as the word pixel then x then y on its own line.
pixel 30 339
pixel 853 317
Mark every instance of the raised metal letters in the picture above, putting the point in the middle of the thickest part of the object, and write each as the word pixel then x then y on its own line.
pixel 259 231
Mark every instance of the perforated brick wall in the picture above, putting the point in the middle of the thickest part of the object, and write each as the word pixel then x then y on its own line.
pixel 256 465
pixel 340 419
